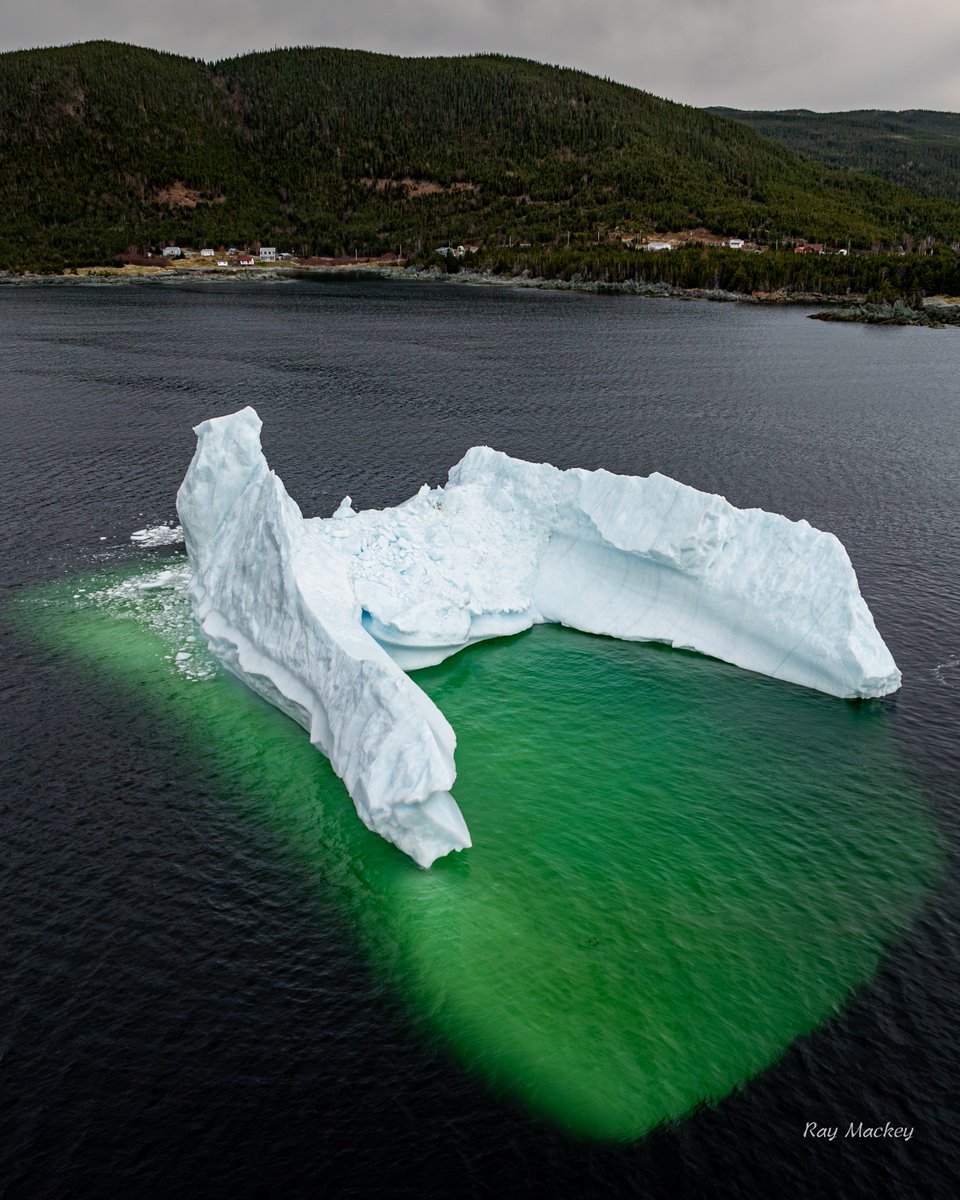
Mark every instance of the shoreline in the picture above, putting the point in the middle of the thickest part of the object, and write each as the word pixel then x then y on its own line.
pixel 160 276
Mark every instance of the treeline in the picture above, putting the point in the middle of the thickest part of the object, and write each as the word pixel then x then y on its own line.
pixel 918 149
pixel 106 147
pixel 881 276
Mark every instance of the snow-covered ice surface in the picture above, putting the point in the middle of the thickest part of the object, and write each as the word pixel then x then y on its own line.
pixel 321 615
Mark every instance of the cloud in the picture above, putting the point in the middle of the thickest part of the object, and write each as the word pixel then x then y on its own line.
pixel 744 53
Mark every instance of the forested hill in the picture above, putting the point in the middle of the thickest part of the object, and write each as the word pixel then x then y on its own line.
pixel 917 148
pixel 106 146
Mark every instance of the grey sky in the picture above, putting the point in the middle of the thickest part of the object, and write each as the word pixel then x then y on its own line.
pixel 826 54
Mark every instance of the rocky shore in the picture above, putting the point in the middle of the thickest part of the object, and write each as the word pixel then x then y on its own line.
pixel 843 308
pixel 932 314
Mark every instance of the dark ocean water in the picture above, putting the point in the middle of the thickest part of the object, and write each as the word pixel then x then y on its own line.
pixel 182 1012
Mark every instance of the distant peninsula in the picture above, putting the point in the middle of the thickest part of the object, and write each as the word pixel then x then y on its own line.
pixel 932 315
pixel 113 155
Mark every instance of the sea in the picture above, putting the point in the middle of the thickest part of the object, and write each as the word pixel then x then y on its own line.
pixel 706 941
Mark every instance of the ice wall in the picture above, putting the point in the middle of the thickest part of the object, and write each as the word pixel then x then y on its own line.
pixel 277 607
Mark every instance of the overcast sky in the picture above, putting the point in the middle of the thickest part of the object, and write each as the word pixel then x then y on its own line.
pixel 826 54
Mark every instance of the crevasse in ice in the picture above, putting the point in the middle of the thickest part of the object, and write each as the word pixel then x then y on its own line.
pixel 323 616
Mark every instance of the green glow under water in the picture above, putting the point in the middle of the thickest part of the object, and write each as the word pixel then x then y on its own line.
pixel 678 867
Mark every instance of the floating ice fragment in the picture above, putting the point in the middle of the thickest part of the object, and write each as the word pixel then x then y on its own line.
pixel 157 535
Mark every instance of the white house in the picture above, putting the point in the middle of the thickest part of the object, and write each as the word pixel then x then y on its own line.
pixel 268 254
pixel 658 246
pixel 172 252
pixel 736 243
pixel 206 253
pixel 246 260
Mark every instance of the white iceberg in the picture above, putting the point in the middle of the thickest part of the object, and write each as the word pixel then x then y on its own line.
pixel 322 616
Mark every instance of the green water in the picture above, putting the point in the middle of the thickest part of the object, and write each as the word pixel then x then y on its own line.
pixel 678 867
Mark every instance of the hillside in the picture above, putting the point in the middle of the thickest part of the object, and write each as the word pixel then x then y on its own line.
pixel 106 146
pixel 917 149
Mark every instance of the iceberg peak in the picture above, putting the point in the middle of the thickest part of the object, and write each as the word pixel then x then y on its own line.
pixel 323 616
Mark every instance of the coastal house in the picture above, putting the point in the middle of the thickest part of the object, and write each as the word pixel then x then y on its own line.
pixel 268 254
pixel 172 252
pixel 736 243
pixel 246 260
pixel 658 246
pixel 206 252
pixel 814 248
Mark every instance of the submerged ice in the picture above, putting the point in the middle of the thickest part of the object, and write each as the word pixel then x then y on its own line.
pixel 323 616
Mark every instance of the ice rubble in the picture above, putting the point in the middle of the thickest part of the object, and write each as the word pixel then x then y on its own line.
pixel 322 616
pixel 157 535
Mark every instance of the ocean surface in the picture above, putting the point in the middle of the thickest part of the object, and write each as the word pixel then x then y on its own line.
pixel 703 911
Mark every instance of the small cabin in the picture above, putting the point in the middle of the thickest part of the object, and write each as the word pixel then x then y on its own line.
pixel 246 260
pixel 172 252
pixel 736 243
pixel 268 254
pixel 206 252
pixel 658 246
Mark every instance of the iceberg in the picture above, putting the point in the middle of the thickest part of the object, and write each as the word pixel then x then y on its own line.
pixel 324 617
